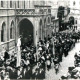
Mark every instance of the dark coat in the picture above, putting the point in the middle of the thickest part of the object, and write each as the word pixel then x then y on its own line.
pixel 6 56
pixel 13 75
pixel 28 74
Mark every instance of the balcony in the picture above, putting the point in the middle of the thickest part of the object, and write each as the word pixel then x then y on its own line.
pixel 32 11
pixel 25 11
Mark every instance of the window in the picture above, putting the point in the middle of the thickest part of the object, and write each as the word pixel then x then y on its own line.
pixel 45 23
pixel 24 4
pixel 11 33
pixel 74 3
pixel 10 4
pixel 1 3
pixel 76 21
pixel 57 2
pixel 11 30
pixel 48 20
pixel 3 32
pixel 18 4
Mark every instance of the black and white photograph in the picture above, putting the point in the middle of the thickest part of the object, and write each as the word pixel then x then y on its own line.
pixel 39 39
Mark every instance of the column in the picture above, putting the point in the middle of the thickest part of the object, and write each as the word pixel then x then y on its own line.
pixel 36 29
pixel 41 30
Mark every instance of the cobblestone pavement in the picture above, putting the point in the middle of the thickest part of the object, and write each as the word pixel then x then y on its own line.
pixel 67 62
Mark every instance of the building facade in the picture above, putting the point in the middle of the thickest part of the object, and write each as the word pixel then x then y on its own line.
pixel 55 25
pixel 74 6
pixel 26 18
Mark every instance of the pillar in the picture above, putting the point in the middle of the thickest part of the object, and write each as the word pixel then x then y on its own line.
pixel 36 31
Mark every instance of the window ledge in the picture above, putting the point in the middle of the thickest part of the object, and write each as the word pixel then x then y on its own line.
pixel 7 41
pixel 11 40
pixel 3 43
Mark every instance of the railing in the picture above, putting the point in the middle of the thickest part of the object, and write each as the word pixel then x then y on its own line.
pixel 43 11
pixel 32 11
pixel 11 43
pixel 7 45
pixel 25 11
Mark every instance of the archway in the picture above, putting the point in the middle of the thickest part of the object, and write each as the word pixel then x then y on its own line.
pixel 3 32
pixel 26 30
pixel 12 30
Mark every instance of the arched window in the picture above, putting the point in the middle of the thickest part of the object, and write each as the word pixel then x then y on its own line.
pixel 12 30
pixel 45 32
pixel 1 3
pixel 45 23
pixel 3 32
pixel 76 21
pixel 74 3
pixel 41 30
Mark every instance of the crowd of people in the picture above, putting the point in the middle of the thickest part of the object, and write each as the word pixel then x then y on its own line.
pixel 64 42
pixel 36 60
pixel 74 71
pixel 33 60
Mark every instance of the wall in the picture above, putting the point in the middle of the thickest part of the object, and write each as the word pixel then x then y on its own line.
pixel 8 15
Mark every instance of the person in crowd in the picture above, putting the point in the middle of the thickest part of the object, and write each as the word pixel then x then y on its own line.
pixel 48 38
pixel 57 68
pixel 28 73
pixel 28 59
pixel 13 61
pixel 6 56
pixel 48 61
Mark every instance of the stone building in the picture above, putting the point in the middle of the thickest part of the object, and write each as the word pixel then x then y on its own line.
pixel 26 18
pixel 74 6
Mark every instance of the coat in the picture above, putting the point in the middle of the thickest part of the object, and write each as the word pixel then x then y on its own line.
pixel 6 56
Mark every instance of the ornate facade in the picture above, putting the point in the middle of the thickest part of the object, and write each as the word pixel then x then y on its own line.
pixel 13 16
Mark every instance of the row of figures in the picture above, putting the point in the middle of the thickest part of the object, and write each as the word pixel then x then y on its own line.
pixel 25 64
pixel 35 60
pixel 73 71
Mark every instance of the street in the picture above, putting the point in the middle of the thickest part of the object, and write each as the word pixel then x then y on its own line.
pixel 67 62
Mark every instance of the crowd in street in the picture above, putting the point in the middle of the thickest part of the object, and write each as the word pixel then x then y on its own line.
pixel 36 60
pixel 74 71
pixel 32 65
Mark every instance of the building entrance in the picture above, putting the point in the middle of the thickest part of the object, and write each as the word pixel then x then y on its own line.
pixel 26 30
